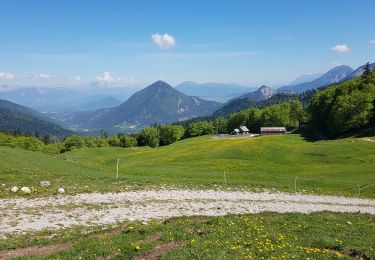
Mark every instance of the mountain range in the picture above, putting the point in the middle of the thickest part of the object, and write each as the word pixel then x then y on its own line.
pixel 334 75
pixel 262 93
pixel 158 103
pixel 14 117
pixel 359 71
pixel 245 101
pixel 220 92
pixel 305 78
pixel 67 99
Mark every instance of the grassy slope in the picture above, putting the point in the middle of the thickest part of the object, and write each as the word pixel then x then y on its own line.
pixel 328 167
pixel 269 235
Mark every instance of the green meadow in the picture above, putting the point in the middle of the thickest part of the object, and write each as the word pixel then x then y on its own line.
pixel 286 163
pixel 254 236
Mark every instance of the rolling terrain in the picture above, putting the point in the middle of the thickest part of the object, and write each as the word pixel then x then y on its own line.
pixel 337 167
pixel 186 179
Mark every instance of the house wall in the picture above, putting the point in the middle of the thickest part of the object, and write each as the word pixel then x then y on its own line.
pixel 272 133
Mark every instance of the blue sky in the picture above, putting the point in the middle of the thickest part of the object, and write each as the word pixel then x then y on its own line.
pixel 247 42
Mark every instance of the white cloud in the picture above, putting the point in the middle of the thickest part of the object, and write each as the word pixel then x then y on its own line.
pixel 372 42
pixel 340 48
pixel 164 41
pixel 43 76
pixel 7 75
pixel 107 77
pixel 78 78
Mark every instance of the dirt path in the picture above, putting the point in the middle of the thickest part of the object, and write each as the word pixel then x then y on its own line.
pixel 19 215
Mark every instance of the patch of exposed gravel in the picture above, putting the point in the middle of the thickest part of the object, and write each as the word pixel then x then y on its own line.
pixel 21 215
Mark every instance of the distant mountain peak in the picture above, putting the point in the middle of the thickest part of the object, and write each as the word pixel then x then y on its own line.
pixel 262 93
pixel 157 103
pixel 159 84
pixel 359 71
pixel 332 76
pixel 266 91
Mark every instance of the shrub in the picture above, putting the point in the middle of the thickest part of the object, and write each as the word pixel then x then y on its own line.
pixel 149 136
pixel 128 141
pixel 170 134
pixel 199 128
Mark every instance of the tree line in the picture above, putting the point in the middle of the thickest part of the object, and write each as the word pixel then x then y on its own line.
pixel 346 106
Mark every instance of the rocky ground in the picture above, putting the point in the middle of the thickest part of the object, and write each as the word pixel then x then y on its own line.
pixel 21 214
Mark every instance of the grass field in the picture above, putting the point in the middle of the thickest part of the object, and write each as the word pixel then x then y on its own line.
pixel 336 167
pixel 256 236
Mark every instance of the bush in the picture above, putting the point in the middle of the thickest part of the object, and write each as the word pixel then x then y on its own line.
pixel 74 141
pixel 199 128
pixel 128 141
pixel 89 141
pixel 170 134
pixel 101 141
pixel 149 136
pixel 52 149
pixel 115 141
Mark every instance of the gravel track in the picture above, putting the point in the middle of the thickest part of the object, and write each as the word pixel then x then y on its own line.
pixel 21 214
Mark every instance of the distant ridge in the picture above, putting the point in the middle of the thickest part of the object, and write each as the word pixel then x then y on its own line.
pixel 334 75
pixel 359 71
pixel 212 90
pixel 158 103
pixel 14 117
pixel 245 101
pixel 262 93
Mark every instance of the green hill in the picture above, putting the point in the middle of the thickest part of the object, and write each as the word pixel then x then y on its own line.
pixel 336 167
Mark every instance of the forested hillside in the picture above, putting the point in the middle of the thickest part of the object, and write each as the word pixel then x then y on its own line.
pixel 16 122
pixel 237 105
pixel 346 106
pixel 24 120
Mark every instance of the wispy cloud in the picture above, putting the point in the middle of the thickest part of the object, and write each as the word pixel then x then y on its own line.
pixel 164 41
pixel 340 48
pixel 7 75
pixel 107 77
pixel 43 76
pixel 372 42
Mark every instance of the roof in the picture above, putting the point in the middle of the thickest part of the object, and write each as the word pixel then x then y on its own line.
pixel 236 130
pixel 273 129
pixel 244 128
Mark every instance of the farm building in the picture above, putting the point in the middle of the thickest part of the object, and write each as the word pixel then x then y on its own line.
pixel 244 130
pixel 272 130
pixel 235 131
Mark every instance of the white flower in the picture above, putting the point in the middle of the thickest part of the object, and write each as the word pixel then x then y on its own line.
pixel 45 183
pixel 14 189
pixel 26 190
pixel 61 190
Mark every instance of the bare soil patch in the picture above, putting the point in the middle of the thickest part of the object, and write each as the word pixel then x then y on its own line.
pixel 34 251
pixel 159 251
